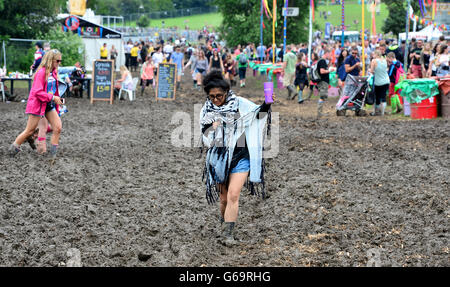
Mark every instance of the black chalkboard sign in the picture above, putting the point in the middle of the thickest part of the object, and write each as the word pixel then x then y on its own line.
pixel 102 81
pixel 165 81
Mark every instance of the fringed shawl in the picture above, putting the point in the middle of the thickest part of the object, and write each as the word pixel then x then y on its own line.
pixel 222 141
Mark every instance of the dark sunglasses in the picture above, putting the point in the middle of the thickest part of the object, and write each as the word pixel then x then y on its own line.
pixel 58 61
pixel 217 97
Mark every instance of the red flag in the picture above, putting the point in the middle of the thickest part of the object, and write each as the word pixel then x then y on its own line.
pixel 312 7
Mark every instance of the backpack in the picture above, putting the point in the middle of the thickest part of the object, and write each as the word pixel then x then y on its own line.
pixel 400 75
pixel 315 76
pixel 242 59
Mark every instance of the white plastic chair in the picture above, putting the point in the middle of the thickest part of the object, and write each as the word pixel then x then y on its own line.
pixel 2 87
pixel 132 92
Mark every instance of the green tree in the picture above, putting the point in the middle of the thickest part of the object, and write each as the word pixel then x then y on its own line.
pixel 143 21
pixel 396 21
pixel 241 22
pixel 24 18
pixel 105 7
pixel 158 5
pixel 183 4
pixel 68 43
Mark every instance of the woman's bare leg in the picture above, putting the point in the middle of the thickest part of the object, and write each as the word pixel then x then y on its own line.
pixel 55 122
pixel 237 181
pixel 42 143
pixel 223 199
pixel 32 124
pixel 199 80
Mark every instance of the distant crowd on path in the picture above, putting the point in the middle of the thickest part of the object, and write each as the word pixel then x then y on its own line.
pixel 425 60
pixel 382 59
pixel 145 56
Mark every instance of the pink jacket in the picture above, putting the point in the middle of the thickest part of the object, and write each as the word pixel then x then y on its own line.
pixel 38 98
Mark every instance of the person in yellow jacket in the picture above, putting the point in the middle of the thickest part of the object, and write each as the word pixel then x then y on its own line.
pixel 103 52
pixel 134 55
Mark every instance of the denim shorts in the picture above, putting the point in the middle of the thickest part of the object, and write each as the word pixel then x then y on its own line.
pixel 242 166
pixel 201 71
pixel 50 107
pixel 242 71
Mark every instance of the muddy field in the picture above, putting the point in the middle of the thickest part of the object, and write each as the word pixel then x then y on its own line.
pixel 345 191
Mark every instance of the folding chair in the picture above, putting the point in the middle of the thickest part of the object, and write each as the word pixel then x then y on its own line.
pixel 132 92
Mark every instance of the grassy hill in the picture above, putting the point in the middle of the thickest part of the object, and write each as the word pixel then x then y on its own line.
pixel 353 12
pixel 195 22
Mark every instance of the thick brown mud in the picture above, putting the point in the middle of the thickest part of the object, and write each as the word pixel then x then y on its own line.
pixel 348 191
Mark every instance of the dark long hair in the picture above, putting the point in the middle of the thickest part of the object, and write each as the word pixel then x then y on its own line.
pixel 341 58
pixel 435 50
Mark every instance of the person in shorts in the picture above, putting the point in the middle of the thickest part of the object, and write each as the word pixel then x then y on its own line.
pixel 147 74
pixel 324 82
pixel 158 58
pixel 200 68
pixel 177 58
pixel 242 61
pixel 288 71
pixel 43 101
pixel 234 154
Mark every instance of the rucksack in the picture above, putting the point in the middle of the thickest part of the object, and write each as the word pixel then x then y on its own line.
pixel 315 76
pixel 400 75
pixel 242 59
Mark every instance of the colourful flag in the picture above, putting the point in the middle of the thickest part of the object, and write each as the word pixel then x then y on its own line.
pixel 266 8
pixel 421 7
pixel 434 9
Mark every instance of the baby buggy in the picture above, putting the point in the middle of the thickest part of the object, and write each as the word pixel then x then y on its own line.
pixel 354 95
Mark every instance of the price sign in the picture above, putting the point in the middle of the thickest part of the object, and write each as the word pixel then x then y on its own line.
pixel 102 81
pixel 165 83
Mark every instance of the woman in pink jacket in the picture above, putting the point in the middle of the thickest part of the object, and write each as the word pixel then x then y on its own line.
pixel 43 101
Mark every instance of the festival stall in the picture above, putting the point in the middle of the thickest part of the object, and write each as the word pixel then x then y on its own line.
pixel 94 36
pixel 429 33
pixel 273 71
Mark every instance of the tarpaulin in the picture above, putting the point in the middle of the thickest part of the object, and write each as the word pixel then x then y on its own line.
pixel 417 90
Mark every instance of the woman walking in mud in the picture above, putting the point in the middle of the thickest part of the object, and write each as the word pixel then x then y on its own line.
pixel 232 129
pixel 43 101
pixel 200 67
pixel 229 69
pixel 301 76
pixel 379 68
